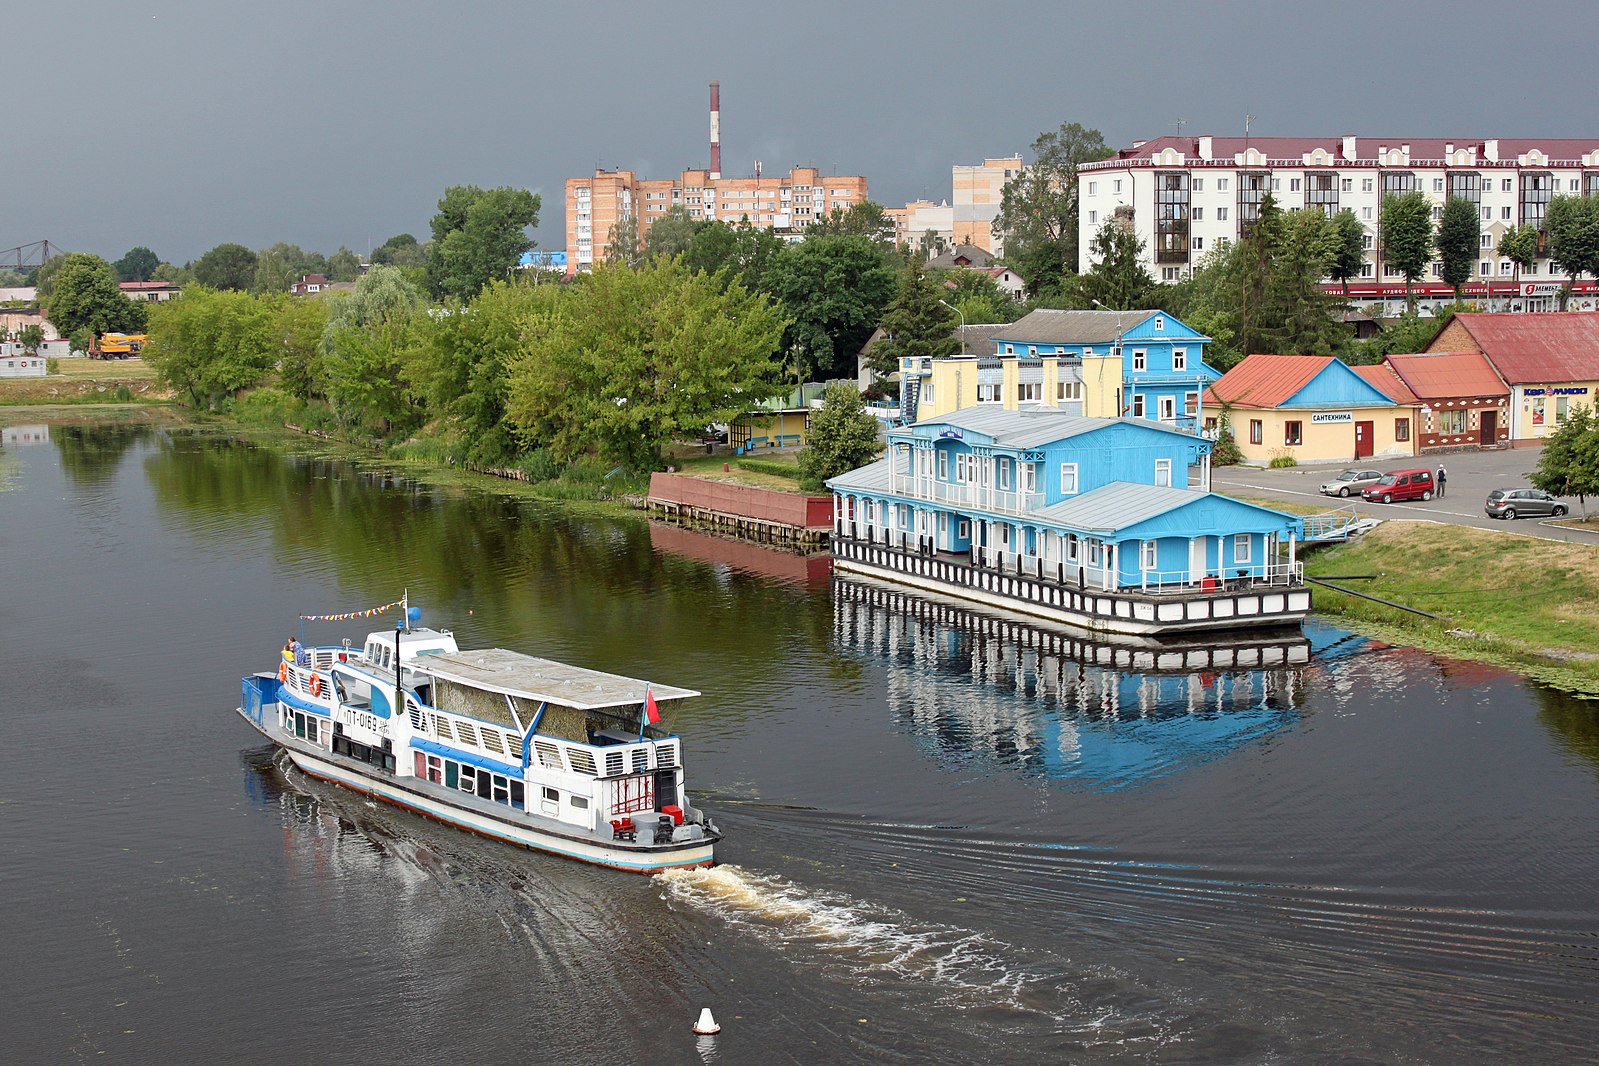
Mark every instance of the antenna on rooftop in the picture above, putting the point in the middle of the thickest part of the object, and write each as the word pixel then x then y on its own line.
pixel 1181 124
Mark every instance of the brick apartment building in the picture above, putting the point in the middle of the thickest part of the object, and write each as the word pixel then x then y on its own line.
pixel 967 217
pixel 786 204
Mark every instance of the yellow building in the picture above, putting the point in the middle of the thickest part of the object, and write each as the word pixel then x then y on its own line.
pixel 1311 408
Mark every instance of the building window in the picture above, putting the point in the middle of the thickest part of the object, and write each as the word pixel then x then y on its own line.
pixel 1004 474
pixel 1094 554
pixel 943 465
pixel 1506 186
pixel 1348 185
pixel 1171 273
pixel 1487 240
pixel 1093 187
pixel 1321 192
pixel 1256 431
pixel 1221 184
pixel 1138 406
pixel 1221 214
pixel 988 392
pixel 1367 242
pixel 1139 359
pixel 1465 185
pixel 1068 390
pixel 1241 547
pixel 1160 324
pixel 1365 213
pixel 1093 217
pixel 1171 217
pixel 1365 185
pixel 1437 185
pixel 1190 403
pixel 1293 184
pixel 1293 433
pixel 1029 393
pixel 1068 479
pixel 1504 213
pixel 1536 191
pixel 1146 555
pixel 1199 244
pixel 1253 188
pixel 1402 429
pixel 963 528
pixel 1116 185
pixel 1198 185
pixel 1452 421
pixel 1179 359
pixel 963 470
pixel 1199 214
pixel 1163 473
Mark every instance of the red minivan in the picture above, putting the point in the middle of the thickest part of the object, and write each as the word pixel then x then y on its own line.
pixel 1401 485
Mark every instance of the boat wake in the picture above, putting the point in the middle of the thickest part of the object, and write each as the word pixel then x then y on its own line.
pixel 870 944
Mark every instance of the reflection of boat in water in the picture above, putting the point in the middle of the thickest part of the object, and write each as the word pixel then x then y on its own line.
pixel 1110 713
pixel 741 555
pixel 553 757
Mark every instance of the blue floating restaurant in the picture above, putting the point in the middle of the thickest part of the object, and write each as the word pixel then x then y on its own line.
pixel 1108 524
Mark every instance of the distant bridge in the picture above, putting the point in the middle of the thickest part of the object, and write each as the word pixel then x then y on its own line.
pixel 27 256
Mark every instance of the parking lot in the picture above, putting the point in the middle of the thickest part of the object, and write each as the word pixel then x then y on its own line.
pixel 1471 476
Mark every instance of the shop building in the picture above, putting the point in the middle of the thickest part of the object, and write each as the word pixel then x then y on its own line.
pixel 1310 408
pixel 1549 364
pixel 1462 402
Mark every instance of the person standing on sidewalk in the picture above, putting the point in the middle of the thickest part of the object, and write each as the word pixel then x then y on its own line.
pixel 1443 478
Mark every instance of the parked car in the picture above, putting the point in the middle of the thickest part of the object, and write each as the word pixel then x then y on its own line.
pixel 1400 485
pixel 1350 483
pixel 1523 503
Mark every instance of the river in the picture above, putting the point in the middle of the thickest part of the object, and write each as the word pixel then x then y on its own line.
pixel 950 836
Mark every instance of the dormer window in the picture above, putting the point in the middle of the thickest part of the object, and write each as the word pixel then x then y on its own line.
pixel 1160 323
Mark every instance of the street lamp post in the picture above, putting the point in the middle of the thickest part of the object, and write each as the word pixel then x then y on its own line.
pixel 957 310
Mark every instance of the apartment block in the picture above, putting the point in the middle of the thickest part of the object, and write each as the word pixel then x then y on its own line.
pixel 786 204
pixel 967 217
pixel 1191 195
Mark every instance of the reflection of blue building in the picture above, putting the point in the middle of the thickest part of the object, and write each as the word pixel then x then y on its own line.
pixel 986 686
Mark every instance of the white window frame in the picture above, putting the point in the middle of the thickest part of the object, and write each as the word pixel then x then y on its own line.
pixel 1179 359
pixel 1148 555
pixel 1068 479
pixel 1140 359
pixel 1138 405
pixel 943 464
pixel 1243 548
pixel 1167 407
pixel 1163 471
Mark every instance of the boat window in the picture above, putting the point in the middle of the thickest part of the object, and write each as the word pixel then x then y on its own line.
pixel 552 795
pixel 580 802
pixel 452 774
pixel 518 795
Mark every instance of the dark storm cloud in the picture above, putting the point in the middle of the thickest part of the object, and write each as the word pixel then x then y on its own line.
pixel 180 125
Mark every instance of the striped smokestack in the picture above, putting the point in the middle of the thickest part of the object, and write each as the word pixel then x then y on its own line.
pixel 716 130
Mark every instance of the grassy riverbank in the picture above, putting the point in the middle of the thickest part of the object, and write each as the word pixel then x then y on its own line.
pixel 1517 601
pixel 86 381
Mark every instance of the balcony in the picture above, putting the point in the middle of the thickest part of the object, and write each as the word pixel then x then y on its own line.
pixel 970 497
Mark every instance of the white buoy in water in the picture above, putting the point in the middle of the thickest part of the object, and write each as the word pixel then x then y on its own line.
pixel 706 1026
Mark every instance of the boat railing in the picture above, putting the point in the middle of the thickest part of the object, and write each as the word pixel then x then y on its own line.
pixel 554 753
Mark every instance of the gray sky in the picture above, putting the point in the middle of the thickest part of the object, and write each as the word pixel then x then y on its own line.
pixel 179 124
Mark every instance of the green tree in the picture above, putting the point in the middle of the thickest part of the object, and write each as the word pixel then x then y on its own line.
pixel 842 437
pixel 274 272
pixel 297 328
pixel 1349 248
pixel 918 324
pixel 31 337
pixel 138 265
pixel 344 265
pixel 836 288
pixel 632 359
pixel 366 344
pixel 1406 229
pixel 464 360
pixel 478 235
pixel 1037 218
pixel 401 250
pixel 10 279
pixel 671 234
pixel 744 254
pixel 211 344
pixel 1572 223
pixel 1519 244
pixel 227 266
pixel 864 219
pixel 978 296
pixel 1118 277
pixel 45 273
pixel 172 274
pixel 1295 313
pixel 624 247
pixel 1459 241
pixel 1569 462
pixel 85 296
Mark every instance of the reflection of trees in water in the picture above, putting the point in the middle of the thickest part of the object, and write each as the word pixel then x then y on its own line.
pixel 92 451
pixel 1572 721
pixel 977 684
pixel 533 573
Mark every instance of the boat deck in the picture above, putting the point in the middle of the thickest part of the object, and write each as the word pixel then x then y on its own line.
pixel 544 680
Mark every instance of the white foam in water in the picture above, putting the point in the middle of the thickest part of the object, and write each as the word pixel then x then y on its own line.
pixel 870 940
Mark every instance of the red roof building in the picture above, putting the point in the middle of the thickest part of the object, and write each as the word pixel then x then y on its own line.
pixel 1311 408
pixel 1548 362
pixel 1464 404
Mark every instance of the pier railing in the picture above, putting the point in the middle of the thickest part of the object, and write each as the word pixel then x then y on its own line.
pixel 1275 594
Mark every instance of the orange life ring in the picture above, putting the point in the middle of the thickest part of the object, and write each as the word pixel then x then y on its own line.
pixel 283 670
pixel 316 684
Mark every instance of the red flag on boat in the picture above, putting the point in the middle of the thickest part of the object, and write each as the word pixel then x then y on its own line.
pixel 652 712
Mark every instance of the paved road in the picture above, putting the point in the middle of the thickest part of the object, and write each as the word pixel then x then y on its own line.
pixel 1471 476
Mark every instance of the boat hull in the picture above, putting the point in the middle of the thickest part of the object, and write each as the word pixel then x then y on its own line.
pixel 647 859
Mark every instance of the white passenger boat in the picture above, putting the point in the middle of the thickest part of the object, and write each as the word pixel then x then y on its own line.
pixel 535 752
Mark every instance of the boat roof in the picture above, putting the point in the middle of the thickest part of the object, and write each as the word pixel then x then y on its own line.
pixel 545 680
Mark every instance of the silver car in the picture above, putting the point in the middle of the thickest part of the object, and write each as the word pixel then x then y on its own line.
pixel 1351 482
pixel 1522 503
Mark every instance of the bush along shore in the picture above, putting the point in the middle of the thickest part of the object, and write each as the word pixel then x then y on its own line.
pixel 1527 604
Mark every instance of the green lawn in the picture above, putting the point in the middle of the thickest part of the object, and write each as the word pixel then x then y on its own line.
pixel 1521 601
